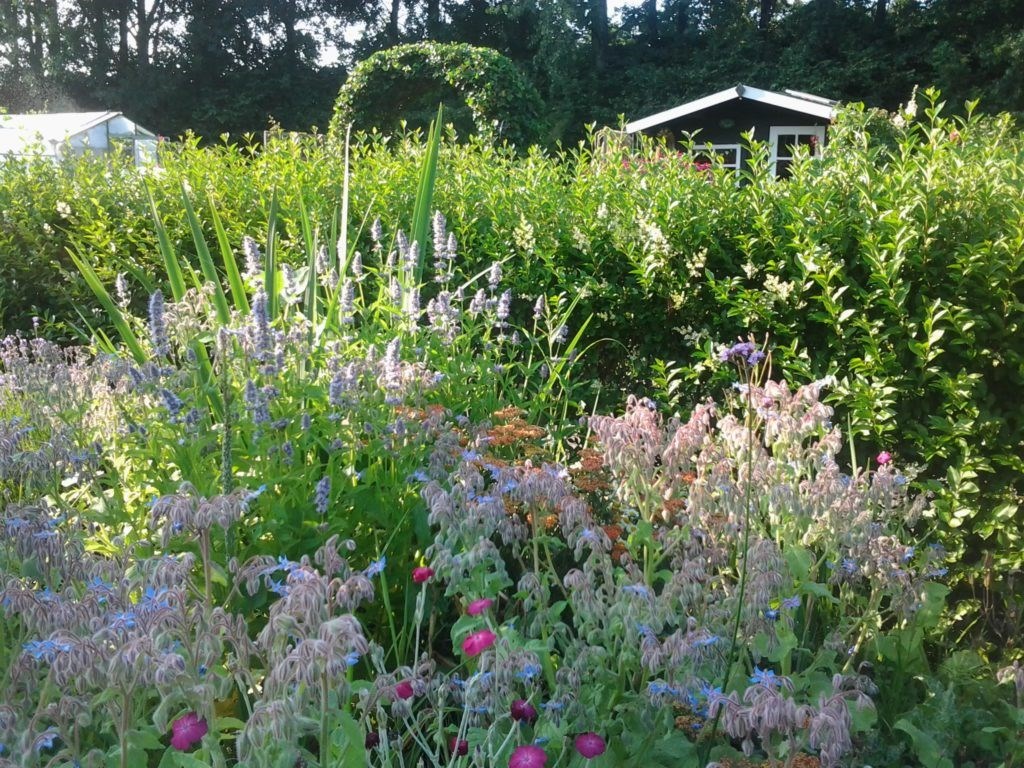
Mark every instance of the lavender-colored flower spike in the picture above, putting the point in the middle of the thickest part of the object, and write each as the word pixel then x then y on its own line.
pixel 504 308
pixel 540 307
pixel 357 266
pixel 376 231
pixel 253 257
pixel 348 298
pixel 494 276
pixel 323 495
pixel 262 341
pixel 124 297
pixel 158 325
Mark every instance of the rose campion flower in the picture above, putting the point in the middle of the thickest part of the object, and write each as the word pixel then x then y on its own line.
pixel 883 458
pixel 422 574
pixel 479 606
pixel 188 730
pixel 404 690
pixel 458 746
pixel 523 711
pixel 528 756
pixel 478 642
pixel 590 745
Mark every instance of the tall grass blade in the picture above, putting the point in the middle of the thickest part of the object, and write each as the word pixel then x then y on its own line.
pixel 425 193
pixel 270 272
pixel 227 255
pixel 113 311
pixel 220 301
pixel 175 276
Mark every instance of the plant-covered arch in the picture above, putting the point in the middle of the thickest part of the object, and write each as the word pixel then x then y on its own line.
pixel 481 89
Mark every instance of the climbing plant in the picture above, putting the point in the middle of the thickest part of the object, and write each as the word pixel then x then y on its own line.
pixel 482 90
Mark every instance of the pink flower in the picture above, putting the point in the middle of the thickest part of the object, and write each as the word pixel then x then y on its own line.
pixel 188 730
pixel 478 642
pixel 458 746
pixel 589 745
pixel 479 606
pixel 523 711
pixel 883 458
pixel 404 690
pixel 422 574
pixel 528 756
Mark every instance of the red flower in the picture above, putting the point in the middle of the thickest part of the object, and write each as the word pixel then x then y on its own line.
pixel 528 756
pixel 883 458
pixel 372 739
pixel 458 746
pixel 478 642
pixel 523 711
pixel 188 730
pixel 422 574
pixel 479 606
pixel 589 745
pixel 404 690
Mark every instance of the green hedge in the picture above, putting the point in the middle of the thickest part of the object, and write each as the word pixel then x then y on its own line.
pixel 893 263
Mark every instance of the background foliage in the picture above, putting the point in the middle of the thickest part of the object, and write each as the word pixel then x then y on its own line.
pixel 893 264
pixel 284 62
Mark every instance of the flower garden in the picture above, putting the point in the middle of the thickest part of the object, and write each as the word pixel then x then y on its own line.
pixel 413 453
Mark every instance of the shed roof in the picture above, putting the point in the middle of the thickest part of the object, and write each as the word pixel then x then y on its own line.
pixel 796 101
pixel 18 130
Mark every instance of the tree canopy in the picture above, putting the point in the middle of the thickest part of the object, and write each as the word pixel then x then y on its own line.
pixel 238 65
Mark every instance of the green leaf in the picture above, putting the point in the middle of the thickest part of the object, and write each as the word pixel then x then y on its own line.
pixel 220 301
pixel 227 255
pixel 926 748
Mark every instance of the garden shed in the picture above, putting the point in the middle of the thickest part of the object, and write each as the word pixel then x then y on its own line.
pixel 58 134
pixel 785 120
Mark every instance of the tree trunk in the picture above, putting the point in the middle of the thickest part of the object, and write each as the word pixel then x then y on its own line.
pixel 650 11
pixel 142 36
pixel 433 19
pixel 11 31
pixel 881 11
pixel 123 53
pixel 598 13
pixel 764 18
pixel 393 22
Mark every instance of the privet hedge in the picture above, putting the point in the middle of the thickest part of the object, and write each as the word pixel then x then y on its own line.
pixel 893 265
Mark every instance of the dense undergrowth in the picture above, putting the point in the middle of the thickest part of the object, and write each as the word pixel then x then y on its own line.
pixel 399 407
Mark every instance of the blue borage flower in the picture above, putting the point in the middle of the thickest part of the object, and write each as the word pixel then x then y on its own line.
pixel 766 677
pixel 420 476
pixel 772 614
pixel 529 672
pixel 45 650
pixel 375 568
pixel 791 602
pixel 45 740
pixel 352 658
pixel 636 589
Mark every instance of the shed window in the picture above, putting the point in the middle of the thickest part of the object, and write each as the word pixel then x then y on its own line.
pixel 727 154
pixel 786 142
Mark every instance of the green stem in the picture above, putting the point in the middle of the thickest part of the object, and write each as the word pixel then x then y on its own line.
pixel 325 721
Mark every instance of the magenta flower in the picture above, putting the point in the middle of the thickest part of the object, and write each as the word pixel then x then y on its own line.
pixel 188 730
pixel 528 756
pixel 589 745
pixel 422 574
pixel 404 690
pixel 479 606
pixel 883 458
pixel 458 746
pixel 478 642
pixel 523 711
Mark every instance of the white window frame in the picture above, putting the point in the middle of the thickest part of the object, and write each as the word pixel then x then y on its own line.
pixel 737 148
pixel 797 130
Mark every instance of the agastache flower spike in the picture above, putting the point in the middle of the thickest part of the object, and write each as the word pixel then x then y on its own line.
pixel 157 325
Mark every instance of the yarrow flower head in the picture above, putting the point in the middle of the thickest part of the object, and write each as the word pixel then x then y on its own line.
pixel 480 606
pixel 478 642
pixel 187 731
pixel 744 352
pixel 528 756
pixel 422 574
pixel 590 745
